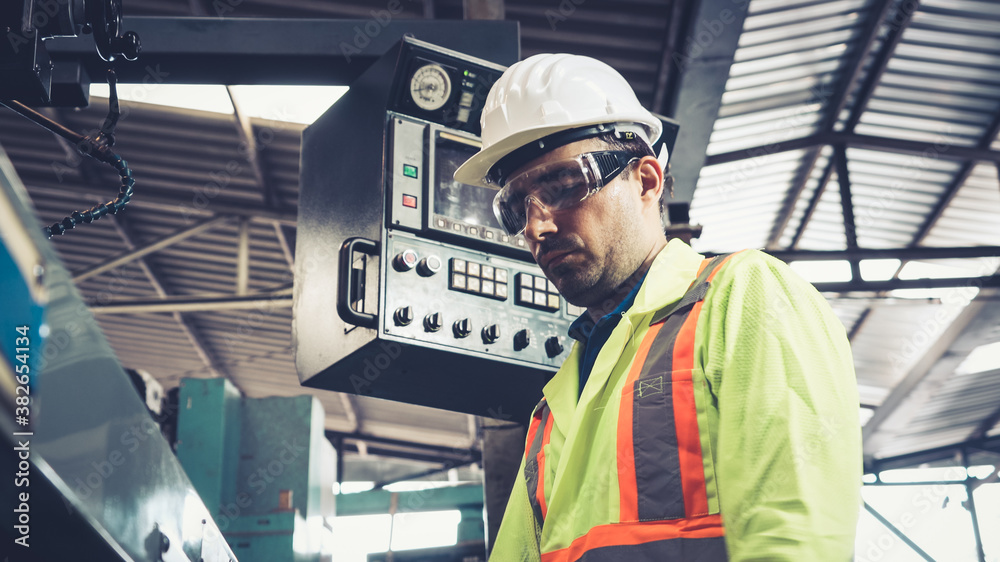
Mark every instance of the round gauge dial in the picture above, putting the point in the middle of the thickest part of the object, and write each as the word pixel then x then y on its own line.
pixel 430 87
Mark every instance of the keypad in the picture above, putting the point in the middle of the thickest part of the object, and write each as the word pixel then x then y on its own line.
pixel 477 278
pixel 536 292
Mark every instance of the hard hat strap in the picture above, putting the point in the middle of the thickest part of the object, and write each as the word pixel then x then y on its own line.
pixel 500 171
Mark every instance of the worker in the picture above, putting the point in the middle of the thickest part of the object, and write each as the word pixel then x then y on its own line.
pixel 708 409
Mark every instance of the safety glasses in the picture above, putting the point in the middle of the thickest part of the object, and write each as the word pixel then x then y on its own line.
pixel 557 186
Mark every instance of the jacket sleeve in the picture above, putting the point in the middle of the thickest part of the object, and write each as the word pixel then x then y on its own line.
pixel 517 539
pixel 787 436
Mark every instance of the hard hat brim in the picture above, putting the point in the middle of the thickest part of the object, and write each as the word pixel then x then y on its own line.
pixel 475 169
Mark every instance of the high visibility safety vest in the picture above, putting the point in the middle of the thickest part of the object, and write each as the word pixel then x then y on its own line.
pixel 636 470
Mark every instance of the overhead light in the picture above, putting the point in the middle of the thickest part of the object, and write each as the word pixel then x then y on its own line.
pixel 823 271
pixel 290 104
pixel 878 270
pixel 947 269
pixel 981 359
pixel 199 97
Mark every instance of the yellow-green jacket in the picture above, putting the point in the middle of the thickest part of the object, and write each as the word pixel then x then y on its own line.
pixel 718 426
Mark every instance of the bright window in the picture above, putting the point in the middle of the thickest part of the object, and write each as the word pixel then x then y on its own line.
pixel 356 536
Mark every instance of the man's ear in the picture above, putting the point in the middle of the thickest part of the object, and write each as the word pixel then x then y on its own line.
pixel 650 176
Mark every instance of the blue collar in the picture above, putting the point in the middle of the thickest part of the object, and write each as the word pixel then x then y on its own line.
pixel 583 327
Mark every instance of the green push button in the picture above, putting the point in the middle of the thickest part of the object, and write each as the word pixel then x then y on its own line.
pixel 409 170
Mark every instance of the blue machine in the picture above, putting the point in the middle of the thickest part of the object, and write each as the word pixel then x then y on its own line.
pixel 87 473
pixel 263 466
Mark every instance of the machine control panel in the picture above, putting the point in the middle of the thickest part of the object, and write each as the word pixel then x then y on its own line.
pixel 478 306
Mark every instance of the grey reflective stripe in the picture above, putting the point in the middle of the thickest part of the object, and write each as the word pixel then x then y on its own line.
pixel 680 549
pixel 531 475
pixel 659 488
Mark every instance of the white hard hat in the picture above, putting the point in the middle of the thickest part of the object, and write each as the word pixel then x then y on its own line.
pixel 548 93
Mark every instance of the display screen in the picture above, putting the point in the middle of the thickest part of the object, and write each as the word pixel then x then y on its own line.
pixel 469 204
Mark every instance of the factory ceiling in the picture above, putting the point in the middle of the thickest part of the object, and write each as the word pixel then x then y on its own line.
pixel 807 127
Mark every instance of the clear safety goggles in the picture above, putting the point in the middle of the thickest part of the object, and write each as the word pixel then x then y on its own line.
pixel 557 185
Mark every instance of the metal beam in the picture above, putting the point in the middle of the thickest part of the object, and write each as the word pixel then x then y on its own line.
pixel 243 257
pixel 667 72
pixel 219 50
pixel 351 411
pixel 276 299
pixel 702 71
pixel 902 536
pixel 970 491
pixel 171 202
pixel 895 284
pixel 897 26
pixel 423 474
pixel 939 150
pixel 128 257
pixel 847 207
pixel 921 253
pixel 248 142
pixel 443 452
pixel 986 425
pixel 782 222
pixel 286 248
pixel 793 195
pixel 858 324
pixel 926 456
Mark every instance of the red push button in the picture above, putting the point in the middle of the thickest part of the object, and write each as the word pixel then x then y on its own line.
pixel 410 201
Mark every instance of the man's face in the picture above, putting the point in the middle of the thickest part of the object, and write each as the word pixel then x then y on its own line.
pixel 589 250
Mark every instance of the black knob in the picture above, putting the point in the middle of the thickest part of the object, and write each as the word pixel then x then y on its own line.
pixel 403 316
pixel 553 346
pixel 429 266
pixel 491 333
pixel 522 339
pixel 462 328
pixel 432 322
pixel 405 260
pixel 128 45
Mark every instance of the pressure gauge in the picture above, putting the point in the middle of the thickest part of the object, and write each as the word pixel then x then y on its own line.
pixel 430 87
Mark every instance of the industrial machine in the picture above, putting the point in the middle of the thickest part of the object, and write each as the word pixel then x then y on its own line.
pixel 264 468
pixel 407 288
pixel 88 471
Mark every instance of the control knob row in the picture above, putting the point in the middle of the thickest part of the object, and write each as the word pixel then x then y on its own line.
pixel 403 316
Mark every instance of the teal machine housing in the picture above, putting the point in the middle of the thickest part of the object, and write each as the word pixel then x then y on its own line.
pixel 263 467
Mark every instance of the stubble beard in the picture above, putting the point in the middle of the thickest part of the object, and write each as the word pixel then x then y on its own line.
pixel 598 282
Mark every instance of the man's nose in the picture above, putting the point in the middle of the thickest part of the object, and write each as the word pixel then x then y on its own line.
pixel 539 222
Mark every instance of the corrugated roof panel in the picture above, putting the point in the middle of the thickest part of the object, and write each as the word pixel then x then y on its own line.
pixel 894 337
pixel 942 83
pixel 960 405
pixel 802 203
pixel 973 216
pixel 736 202
pixel 825 231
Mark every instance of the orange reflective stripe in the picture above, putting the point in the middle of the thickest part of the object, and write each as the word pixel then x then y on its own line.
pixel 686 412
pixel 534 459
pixel 540 490
pixel 621 534
pixel 628 489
